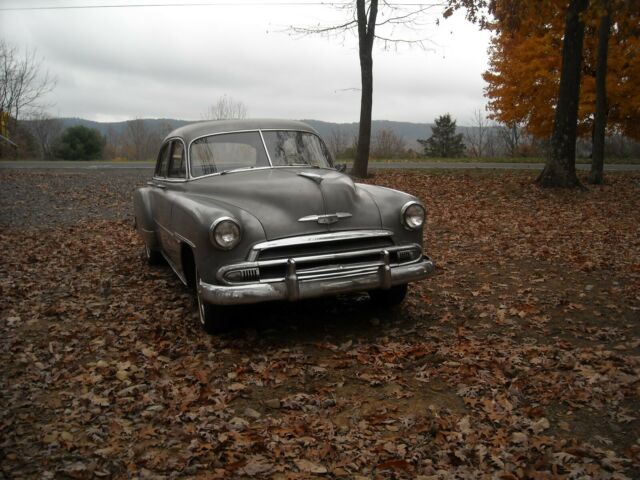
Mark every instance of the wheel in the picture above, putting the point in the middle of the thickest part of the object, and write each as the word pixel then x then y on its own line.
pixel 152 257
pixel 213 318
pixel 389 298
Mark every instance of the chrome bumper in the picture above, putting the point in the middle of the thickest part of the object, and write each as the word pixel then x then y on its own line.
pixel 292 288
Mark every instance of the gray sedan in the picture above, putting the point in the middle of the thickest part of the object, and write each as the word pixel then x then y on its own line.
pixel 251 211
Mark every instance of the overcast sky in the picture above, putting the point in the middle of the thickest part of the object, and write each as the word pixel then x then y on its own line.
pixel 172 62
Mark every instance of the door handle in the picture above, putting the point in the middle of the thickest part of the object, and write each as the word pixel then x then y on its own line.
pixel 159 185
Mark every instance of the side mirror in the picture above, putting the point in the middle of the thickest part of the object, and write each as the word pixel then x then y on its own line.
pixel 341 167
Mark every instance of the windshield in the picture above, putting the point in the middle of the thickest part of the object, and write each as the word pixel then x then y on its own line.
pixel 231 151
pixel 219 153
pixel 296 148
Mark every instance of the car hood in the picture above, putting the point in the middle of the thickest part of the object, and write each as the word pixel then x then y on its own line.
pixel 280 197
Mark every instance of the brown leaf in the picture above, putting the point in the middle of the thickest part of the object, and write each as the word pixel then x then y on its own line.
pixel 309 467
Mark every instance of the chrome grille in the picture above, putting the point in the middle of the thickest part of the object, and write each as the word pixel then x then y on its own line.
pixel 338 246
pixel 311 257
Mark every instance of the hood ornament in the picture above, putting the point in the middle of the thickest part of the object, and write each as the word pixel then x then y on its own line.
pixel 327 219
pixel 312 176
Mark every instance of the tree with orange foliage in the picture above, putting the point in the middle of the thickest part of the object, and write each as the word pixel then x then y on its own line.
pixel 525 65
pixel 537 76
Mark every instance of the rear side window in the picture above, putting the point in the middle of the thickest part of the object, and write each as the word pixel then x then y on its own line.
pixel 177 167
pixel 163 161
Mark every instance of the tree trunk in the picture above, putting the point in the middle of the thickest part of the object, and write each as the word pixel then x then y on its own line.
pixel 560 169
pixel 600 120
pixel 366 36
pixel 364 134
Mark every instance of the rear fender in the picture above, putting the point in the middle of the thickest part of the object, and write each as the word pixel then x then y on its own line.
pixel 144 217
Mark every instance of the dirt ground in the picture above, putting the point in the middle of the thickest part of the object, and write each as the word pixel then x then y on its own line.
pixel 520 358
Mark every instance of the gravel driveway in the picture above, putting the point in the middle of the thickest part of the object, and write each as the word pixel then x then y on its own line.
pixel 42 198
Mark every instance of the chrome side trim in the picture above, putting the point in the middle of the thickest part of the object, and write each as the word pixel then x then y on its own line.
pixel 316 238
pixel 179 273
pixel 177 236
pixel 164 228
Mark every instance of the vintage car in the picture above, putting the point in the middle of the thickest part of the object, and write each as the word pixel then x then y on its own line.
pixel 248 211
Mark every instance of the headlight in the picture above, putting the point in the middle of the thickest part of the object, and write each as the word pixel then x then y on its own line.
pixel 225 233
pixel 412 215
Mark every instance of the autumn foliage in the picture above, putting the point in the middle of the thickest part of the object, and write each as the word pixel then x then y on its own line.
pixel 525 60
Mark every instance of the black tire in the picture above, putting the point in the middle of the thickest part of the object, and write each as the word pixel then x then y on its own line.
pixel 389 298
pixel 152 257
pixel 213 318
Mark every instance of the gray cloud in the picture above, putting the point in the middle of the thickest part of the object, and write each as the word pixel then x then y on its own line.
pixel 172 62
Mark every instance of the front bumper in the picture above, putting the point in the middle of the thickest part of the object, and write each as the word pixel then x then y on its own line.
pixel 293 288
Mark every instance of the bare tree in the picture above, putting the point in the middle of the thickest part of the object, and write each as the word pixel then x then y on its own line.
pixel 114 144
pixel 226 108
pixel 511 137
pixel 476 136
pixel 46 130
pixel 364 17
pixel 387 144
pixel 23 81
pixel 138 139
pixel 337 141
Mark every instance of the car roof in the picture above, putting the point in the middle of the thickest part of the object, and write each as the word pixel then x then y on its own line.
pixel 195 130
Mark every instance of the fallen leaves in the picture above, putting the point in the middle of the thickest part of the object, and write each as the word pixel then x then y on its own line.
pixel 520 359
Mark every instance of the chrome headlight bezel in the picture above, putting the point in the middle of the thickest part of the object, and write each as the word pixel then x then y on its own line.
pixel 215 234
pixel 405 212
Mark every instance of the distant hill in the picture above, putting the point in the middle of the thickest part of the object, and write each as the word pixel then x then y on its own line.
pixel 153 124
pixel 411 132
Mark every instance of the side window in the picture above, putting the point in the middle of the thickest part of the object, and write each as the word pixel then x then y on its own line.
pixel 177 168
pixel 163 161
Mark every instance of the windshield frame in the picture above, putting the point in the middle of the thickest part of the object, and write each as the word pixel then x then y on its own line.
pixel 266 150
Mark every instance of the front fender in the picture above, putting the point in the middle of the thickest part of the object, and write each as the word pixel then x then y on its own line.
pixel 192 216
pixel 390 203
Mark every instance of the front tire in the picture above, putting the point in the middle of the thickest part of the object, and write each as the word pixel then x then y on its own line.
pixel 389 298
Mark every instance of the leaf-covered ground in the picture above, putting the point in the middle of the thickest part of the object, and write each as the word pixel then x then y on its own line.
pixel 519 359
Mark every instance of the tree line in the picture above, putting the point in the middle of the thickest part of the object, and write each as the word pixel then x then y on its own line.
pixel 45 137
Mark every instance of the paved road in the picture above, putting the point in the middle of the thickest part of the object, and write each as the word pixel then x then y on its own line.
pixel 492 166
pixel 56 165
pixel 374 166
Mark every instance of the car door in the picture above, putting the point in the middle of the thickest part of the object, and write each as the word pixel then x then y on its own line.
pixel 170 174
pixel 174 186
pixel 158 202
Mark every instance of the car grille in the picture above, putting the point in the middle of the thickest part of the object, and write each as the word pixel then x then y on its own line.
pixel 321 257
